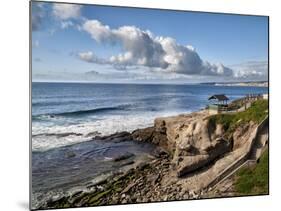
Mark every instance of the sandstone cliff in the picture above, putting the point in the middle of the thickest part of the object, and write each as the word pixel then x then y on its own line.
pixel 194 143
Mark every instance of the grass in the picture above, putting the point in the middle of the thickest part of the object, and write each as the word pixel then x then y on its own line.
pixel 256 113
pixel 253 181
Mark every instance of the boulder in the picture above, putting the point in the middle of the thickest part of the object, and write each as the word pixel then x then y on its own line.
pixel 152 135
pixel 187 164
pixel 144 135
pixel 123 157
pixel 116 137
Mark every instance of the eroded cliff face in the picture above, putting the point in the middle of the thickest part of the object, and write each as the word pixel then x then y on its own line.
pixel 193 141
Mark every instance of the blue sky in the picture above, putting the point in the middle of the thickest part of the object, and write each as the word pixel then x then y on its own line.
pixel 114 44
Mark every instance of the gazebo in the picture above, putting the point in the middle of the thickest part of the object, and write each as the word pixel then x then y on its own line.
pixel 218 103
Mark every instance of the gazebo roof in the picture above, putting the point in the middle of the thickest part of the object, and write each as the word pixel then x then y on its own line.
pixel 220 97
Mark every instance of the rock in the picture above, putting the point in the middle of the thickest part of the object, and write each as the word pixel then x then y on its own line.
pixel 114 200
pixel 138 200
pixel 144 135
pixel 160 125
pixel 142 166
pixel 57 202
pixel 99 180
pixel 77 194
pixel 130 162
pixel 70 154
pixel 91 187
pixel 192 163
pixel 124 201
pixel 116 137
pixel 154 179
pixel 161 140
pixel 100 188
pixel 123 157
pixel 128 188
pixel 238 139
pixel 192 140
pixel 93 134
pixel 159 152
pixel 61 135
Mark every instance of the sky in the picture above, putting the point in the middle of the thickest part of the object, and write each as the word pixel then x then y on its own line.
pixel 92 43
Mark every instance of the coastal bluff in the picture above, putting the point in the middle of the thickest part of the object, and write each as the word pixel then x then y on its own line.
pixel 195 152
pixel 191 139
pixel 202 149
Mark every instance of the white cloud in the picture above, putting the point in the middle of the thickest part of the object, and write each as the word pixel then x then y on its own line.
pixel 98 31
pixel 66 24
pixel 66 11
pixel 91 58
pixel 252 70
pixel 143 49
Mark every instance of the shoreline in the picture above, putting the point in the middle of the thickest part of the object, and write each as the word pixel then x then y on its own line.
pixel 181 169
pixel 116 164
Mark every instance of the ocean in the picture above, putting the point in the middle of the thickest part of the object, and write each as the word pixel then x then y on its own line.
pixel 67 113
pixel 67 116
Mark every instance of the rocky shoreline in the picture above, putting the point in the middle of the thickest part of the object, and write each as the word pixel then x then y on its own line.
pixel 191 152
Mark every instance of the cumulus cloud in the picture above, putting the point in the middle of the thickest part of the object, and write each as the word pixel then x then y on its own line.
pixel 91 58
pixel 66 11
pixel 252 70
pixel 66 24
pixel 142 48
pixel 98 31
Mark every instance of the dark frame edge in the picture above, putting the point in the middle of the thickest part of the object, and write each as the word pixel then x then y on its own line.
pixel 30 105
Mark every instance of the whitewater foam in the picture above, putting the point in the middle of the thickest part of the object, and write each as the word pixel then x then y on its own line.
pixel 106 125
